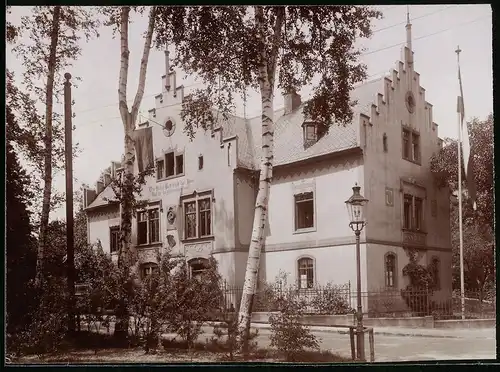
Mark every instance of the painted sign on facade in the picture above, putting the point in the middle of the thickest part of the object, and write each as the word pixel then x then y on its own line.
pixel 166 188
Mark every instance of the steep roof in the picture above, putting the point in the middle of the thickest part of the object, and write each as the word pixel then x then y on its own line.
pixel 103 197
pixel 288 132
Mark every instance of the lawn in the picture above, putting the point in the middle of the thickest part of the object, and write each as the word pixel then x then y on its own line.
pixel 81 352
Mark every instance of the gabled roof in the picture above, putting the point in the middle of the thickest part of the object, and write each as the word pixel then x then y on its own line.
pixel 103 197
pixel 288 132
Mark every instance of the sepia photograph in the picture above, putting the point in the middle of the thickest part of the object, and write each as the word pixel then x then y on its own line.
pixel 249 184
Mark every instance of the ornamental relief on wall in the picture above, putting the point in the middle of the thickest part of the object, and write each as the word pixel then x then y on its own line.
pixel 201 249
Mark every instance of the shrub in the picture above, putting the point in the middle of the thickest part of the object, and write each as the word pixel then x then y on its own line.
pixel 226 337
pixel 288 335
pixel 194 299
pixel 417 294
pixel 49 322
pixel 331 300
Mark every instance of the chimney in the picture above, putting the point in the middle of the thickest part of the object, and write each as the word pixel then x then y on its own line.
pixel 88 197
pixel 292 101
pixel 107 179
pixel 99 186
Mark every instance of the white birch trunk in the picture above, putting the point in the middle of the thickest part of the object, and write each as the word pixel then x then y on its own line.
pixel 127 257
pixel 267 70
pixel 47 171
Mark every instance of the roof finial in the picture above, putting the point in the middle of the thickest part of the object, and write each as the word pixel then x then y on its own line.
pixel 409 57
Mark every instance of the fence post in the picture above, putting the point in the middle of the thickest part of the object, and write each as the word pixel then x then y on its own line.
pixel 372 345
pixel 353 348
pixel 428 304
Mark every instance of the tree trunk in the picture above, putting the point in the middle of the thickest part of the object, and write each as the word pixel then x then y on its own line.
pixel 127 255
pixel 47 172
pixel 267 70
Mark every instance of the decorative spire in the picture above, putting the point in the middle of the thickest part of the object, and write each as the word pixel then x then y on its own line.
pixel 409 57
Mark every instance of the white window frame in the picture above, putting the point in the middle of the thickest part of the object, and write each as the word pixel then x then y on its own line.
pixel 296 228
pixel 196 198
pixel 313 269
pixel 147 209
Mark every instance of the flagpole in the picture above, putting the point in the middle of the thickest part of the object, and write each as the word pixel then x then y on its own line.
pixel 460 222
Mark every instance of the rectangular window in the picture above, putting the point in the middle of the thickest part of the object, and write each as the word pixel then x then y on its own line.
pixel 407 211
pixel 310 132
pixel 390 270
pixel 148 226
pixel 170 162
pixel 114 239
pixel 406 144
pixel 198 218
pixel 179 164
pixel 413 212
pixel 204 213
pixel 190 219
pixel 154 225
pixel 160 169
pixel 306 273
pixel 304 210
pixel 415 147
pixel 418 213
pixel 411 145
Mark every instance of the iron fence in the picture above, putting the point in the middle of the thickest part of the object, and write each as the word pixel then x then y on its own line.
pixel 341 300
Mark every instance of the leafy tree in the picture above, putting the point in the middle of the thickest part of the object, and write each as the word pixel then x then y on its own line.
pixel 52 42
pixel 445 170
pixel 20 247
pixel 479 255
pixel 479 260
pixel 264 47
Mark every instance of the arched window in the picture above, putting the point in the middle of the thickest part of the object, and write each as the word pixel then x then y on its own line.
pixel 390 270
pixel 148 269
pixel 197 266
pixel 435 272
pixel 306 272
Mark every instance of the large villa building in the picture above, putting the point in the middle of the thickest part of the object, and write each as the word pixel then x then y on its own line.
pixel 201 199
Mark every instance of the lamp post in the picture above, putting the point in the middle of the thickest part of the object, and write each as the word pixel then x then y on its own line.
pixel 356 208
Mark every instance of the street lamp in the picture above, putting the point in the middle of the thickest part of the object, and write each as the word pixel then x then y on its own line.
pixel 356 208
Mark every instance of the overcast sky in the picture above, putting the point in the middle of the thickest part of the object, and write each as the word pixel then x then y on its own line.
pixel 436 30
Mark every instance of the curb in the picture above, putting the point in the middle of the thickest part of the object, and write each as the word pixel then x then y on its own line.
pixel 381 333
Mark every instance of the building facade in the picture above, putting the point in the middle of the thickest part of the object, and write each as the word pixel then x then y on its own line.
pixel 201 200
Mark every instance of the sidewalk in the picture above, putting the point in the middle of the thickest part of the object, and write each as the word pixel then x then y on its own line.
pixel 488 333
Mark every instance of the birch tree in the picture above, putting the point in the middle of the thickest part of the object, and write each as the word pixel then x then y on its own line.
pixel 47 42
pixel 266 48
pixel 128 185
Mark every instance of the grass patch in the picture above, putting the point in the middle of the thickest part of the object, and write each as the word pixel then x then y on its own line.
pixel 96 348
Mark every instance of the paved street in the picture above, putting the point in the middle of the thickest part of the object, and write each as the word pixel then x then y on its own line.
pixel 435 345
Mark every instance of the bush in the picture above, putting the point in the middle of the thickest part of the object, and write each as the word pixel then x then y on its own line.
pixel 226 337
pixel 49 321
pixel 418 293
pixel 288 335
pixel 331 300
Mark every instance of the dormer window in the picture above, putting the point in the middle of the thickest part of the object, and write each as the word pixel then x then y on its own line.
pixel 312 133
